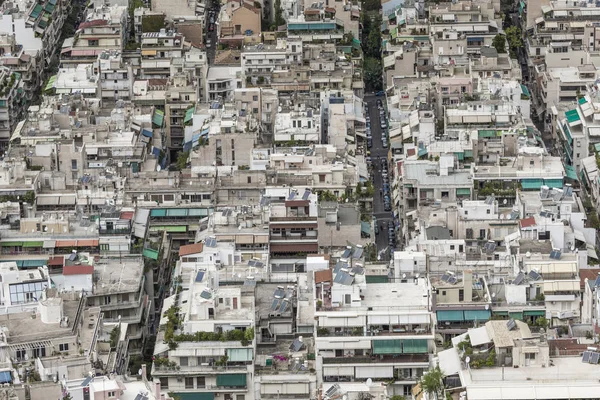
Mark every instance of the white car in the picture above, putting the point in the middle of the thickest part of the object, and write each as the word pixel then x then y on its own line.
pixel 208 42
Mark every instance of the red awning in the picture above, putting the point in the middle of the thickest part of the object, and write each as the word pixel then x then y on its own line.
pixel 83 53
pixel 127 215
pixel 87 243
pixel 56 261
pixel 66 243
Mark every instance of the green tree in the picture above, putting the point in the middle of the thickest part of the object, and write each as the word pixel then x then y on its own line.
pixel 431 382
pixel 279 20
pixel 372 73
pixel 515 41
pixel 182 159
pixel 499 43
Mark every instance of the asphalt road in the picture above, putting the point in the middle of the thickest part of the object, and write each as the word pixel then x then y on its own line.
pixel 378 153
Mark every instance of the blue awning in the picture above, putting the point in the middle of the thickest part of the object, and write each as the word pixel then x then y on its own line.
pixel 5 377
pixel 156 151
pixel 147 133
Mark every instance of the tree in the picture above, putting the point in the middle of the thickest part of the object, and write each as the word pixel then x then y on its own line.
pixel 499 43
pixel 431 382
pixel 515 41
pixel 279 20
pixel 372 74
pixel 182 158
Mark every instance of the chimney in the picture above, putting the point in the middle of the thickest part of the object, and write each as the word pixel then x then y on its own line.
pixel 144 372
pixel 156 387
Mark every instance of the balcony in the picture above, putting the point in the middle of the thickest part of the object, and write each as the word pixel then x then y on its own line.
pixel 164 370
pixel 400 358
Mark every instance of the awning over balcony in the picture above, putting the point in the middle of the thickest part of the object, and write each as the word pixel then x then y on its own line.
pixel 195 396
pixel 231 380
pixel 391 346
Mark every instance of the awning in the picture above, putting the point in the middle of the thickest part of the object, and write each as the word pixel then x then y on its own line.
pixel 158 118
pixel 147 133
pixel 66 243
pixel 525 91
pixel 87 243
pixel 365 227
pixel 477 315
pixel 189 114
pixel 49 244
pixel 195 396
pixel 151 253
pixel 47 200
pixel 390 346
pixel 571 173
pixel 50 83
pixel 148 52
pixel 532 184
pixel 244 239
pixel 231 380
pixel 450 316
pixel 573 117
pixel 11 244
pixel 33 244
pixel 553 183
pixel 5 377
pixel 68 200
pixel 261 239
pixel 534 313
pixel 294 248
pixel 463 192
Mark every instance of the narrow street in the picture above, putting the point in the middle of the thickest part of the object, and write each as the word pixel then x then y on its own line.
pixel 379 156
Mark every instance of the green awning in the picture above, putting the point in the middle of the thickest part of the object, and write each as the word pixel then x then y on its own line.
pixel 532 184
pixel 516 315
pixel 463 192
pixel 365 228
pixel 11 244
pixel 534 313
pixel 450 316
pixel 33 244
pixel 151 253
pixel 413 346
pixel 177 212
pixel 597 147
pixel 50 84
pixel 239 355
pixel 460 155
pixel 158 212
pixel 49 8
pixel 572 116
pixel 231 380
pixel 571 173
pixel 553 183
pixel 486 133
pixel 582 100
pixel 422 152
pixel 200 212
pixel 195 396
pixel 389 346
pixel 469 153
pixel 176 228
pixel 502 313
pixel 477 315
pixel 376 279
pixel 36 11
pixel 189 114
pixel 158 118
pixel 525 91
pixel 33 263
pixel 567 133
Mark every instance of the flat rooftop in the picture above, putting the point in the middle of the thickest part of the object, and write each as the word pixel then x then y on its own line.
pixel 396 295
pixel 567 378
pixel 22 327
pixel 427 174
pixel 118 275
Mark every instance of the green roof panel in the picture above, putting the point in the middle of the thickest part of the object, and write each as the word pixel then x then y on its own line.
pixel 571 173
pixel 572 116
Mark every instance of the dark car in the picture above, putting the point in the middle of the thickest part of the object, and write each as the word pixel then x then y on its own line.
pixel 380 93
pixel 369 143
pixel 387 207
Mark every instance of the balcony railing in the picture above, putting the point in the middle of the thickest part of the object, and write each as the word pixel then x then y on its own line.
pixel 400 358
pixel 184 370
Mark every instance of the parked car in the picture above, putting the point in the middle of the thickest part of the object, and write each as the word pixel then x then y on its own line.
pixel 380 93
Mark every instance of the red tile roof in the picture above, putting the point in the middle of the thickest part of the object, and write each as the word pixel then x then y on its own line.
pixel 527 222
pixel 323 276
pixel 126 215
pixel 590 274
pixel 191 249
pixel 96 22
pixel 78 269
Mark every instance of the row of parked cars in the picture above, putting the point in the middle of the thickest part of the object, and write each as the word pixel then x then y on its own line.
pixel 382 123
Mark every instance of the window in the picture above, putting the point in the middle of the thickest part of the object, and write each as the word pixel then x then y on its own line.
pixel 21 354
pixel 254 98
pixel 74 165
pixel 488 211
pixel 183 361
pixel 39 352
pixel 482 233
pixel 530 356
pixel 347 299
pixel 111 395
pixel 321 178
pixel 200 382
pixel 164 383
pixel 63 347
pixel 106 299
pixel 249 179
pixel 189 383
pixel 451 247
pixel 443 292
pixel 531 162
pixel 466 212
pixel 240 397
pixel 461 295
pixel 469 233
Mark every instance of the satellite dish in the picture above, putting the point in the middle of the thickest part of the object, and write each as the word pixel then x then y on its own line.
pixel 572 247
pixel 417 275
pixel 504 201
pixel 528 254
pixel 158 168
pixel 468 360
pixel 493 295
pixel 140 372
pixel 487 306
pixel 403 276
pixel 369 382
